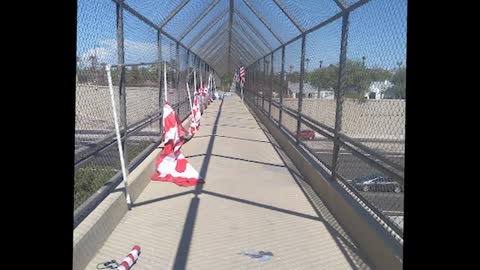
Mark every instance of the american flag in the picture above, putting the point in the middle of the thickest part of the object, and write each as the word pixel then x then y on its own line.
pixel 242 74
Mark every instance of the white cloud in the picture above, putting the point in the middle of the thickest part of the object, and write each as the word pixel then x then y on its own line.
pixel 135 52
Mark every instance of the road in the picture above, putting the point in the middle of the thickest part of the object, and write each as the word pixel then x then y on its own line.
pixel 349 166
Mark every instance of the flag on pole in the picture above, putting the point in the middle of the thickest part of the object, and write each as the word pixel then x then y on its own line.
pixel 171 165
pixel 242 74
pixel 195 124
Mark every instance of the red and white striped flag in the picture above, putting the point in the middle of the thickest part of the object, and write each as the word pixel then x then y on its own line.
pixel 171 164
pixel 242 74
pixel 204 90
pixel 130 259
pixel 195 124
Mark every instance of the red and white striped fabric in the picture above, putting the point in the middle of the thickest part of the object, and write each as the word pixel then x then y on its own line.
pixel 198 94
pixel 130 259
pixel 242 74
pixel 195 124
pixel 171 164
pixel 204 93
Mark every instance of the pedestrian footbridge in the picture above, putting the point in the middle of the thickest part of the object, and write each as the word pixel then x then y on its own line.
pixel 273 197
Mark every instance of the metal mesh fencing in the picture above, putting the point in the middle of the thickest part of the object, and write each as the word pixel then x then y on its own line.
pixel 347 107
pixel 94 125
pixel 277 84
pixel 374 106
pixel 292 75
pixel 321 73
pixel 137 52
pixel 330 73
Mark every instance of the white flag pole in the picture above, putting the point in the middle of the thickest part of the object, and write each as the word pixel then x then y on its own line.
pixel 194 81
pixel 195 85
pixel 241 89
pixel 119 139
pixel 165 80
pixel 189 99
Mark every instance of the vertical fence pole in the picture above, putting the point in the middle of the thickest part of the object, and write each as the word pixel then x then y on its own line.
pixel 340 92
pixel 257 80
pixel 177 64
pixel 271 87
pixel 282 87
pixel 188 74
pixel 300 92
pixel 264 74
pixel 160 96
pixel 121 85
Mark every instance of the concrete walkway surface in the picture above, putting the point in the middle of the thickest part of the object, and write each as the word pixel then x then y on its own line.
pixel 253 200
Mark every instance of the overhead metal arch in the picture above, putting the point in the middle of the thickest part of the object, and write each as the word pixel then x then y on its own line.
pixel 198 19
pixel 341 4
pixel 173 14
pixel 207 44
pixel 249 25
pixel 292 20
pixel 260 17
pixel 206 29
pixel 257 46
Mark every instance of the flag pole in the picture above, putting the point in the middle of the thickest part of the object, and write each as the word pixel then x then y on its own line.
pixel 189 98
pixel 241 88
pixel 165 79
pixel 119 139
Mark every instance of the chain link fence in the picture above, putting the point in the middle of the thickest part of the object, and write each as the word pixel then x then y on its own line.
pixel 331 74
pixel 111 34
pixel 341 95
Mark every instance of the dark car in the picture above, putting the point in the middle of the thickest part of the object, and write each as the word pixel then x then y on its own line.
pixel 307 134
pixel 376 182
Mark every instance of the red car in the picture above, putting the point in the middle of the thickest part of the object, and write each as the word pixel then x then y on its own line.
pixel 307 134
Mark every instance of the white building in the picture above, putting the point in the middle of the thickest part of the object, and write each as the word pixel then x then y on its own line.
pixel 327 94
pixel 309 91
pixel 377 90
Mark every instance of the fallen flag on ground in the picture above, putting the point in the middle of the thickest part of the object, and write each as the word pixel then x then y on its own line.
pixel 171 165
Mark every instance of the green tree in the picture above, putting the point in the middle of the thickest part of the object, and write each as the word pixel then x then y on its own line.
pixel 323 78
pixel 293 77
pixel 227 79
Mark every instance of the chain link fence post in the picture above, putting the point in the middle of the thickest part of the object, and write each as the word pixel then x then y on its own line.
pixel 340 92
pixel 282 87
pixel 177 79
pixel 122 89
pixel 160 96
pixel 271 88
pixel 300 92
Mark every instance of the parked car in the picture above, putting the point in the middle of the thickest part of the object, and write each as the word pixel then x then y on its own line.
pixel 376 182
pixel 307 134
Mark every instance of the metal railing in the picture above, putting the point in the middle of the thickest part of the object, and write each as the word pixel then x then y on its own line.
pixel 137 78
pixel 345 112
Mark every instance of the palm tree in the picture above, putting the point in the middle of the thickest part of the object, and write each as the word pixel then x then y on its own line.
pixel 363 60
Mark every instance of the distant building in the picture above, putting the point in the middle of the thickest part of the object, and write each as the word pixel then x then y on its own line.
pixel 309 91
pixel 327 94
pixel 378 90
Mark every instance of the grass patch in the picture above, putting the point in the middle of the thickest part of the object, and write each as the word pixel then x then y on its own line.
pixel 88 180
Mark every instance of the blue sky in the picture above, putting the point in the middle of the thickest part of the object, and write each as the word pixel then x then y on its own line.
pixel 377 29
